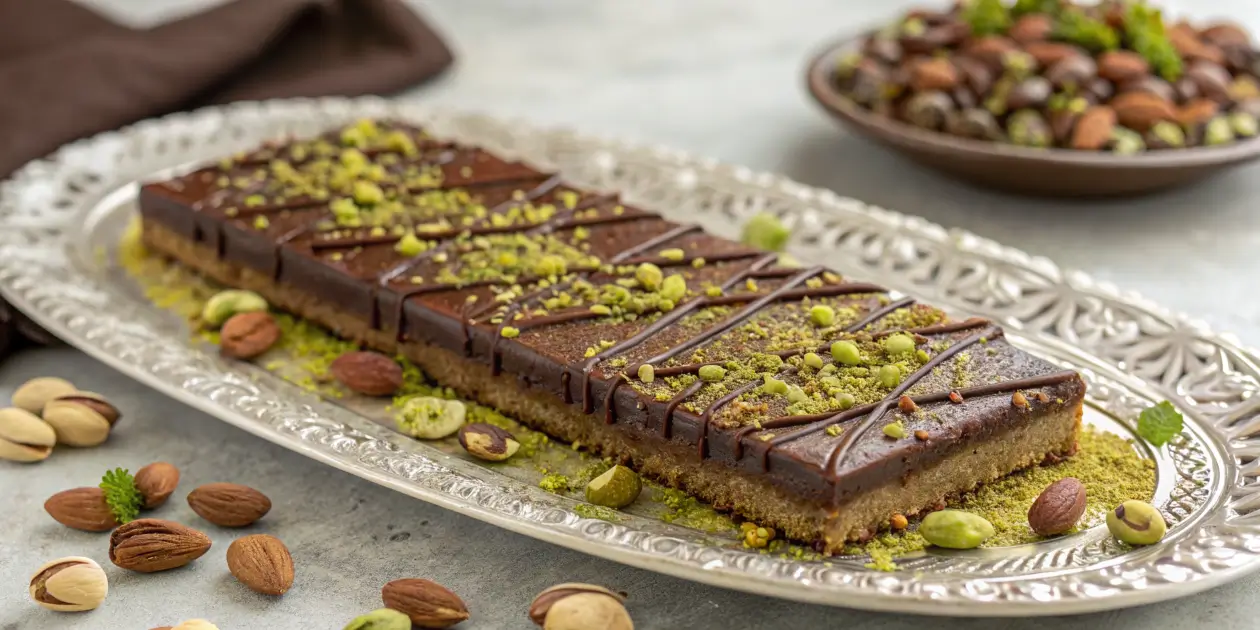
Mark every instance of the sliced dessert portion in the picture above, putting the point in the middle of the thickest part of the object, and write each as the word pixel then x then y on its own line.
pixel 795 397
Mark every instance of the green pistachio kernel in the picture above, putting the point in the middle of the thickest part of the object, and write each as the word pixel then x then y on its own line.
pixel 895 430
pixel 1244 124
pixel 551 265
pixel 383 619
pixel 1126 141
pixel 955 529
pixel 1136 523
pixel 665 306
pixel 765 231
pixel 1218 131
pixel 430 418
pixel 254 201
pixel 509 332
pixel 846 400
pixel 649 276
pixel 898 344
pixel 1170 133
pixel 822 315
pixel 922 356
pixel 224 304
pixel 409 245
pixel 846 352
pixel 889 376
pixel 813 360
pixel 353 158
pixel 345 211
pixel 600 309
pixel 673 288
pixel 261 223
pixel 712 373
pixel 616 488
pixel 673 254
pixel 647 373
pixel 367 193
pixel 796 394
pixel 401 142
pixel 713 291
pixel 774 386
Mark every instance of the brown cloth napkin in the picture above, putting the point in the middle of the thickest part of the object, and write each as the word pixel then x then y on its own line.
pixel 67 72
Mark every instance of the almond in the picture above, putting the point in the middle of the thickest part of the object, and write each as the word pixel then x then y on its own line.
pixel 369 373
pixel 149 545
pixel 229 504
pixel 262 563
pixel 81 508
pixel 933 74
pixel 1141 110
pixel 156 482
pixel 989 49
pixel 1226 34
pixel 1049 53
pixel 1093 128
pixel 1122 65
pixel 1058 508
pixel 427 603
pixel 248 335
pixel 1031 28
pixel 1187 42
pixel 1197 112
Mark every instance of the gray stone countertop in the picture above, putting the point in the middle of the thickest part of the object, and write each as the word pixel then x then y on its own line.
pixel 720 78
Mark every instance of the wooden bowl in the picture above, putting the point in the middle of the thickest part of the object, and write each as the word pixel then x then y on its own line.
pixel 1024 170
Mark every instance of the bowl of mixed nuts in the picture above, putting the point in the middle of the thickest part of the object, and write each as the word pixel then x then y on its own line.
pixel 1051 97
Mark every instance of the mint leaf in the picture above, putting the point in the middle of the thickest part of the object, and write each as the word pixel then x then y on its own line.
pixel 121 495
pixel 1160 423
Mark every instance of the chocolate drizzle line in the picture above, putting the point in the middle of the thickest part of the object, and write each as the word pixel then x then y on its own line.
pixel 673 404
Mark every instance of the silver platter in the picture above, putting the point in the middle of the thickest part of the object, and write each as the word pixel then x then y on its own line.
pixel 61 217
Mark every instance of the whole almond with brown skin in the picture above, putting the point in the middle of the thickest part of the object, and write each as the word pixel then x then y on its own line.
pixel 1031 28
pixel 1187 42
pixel 933 74
pixel 149 545
pixel 229 504
pixel 262 563
pixel 1226 34
pixel 1141 110
pixel 1122 65
pixel 989 49
pixel 427 603
pixel 156 482
pixel 247 335
pixel 1093 129
pixel 368 373
pixel 81 508
pixel 1058 508
pixel 1049 53
pixel 1197 112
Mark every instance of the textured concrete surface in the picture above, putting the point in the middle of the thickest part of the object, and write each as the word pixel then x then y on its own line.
pixel 715 77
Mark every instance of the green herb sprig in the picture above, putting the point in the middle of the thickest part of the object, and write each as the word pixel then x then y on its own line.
pixel 987 17
pixel 1145 34
pixel 1160 423
pixel 1024 7
pixel 121 494
pixel 1074 27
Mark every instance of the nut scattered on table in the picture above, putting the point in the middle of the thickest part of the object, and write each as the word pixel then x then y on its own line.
pixel 368 373
pixel 488 442
pixel 149 545
pixel 248 335
pixel 156 482
pixel 1058 507
pixel 545 600
pixel 1137 523
pixel 24 437
pixel 588 611
pixel 229 504
pixel 427 603
pixel 81 419
pixel 35 393
pixel 223 305
pixel 430 418
pixel 616 488
pixel 1109 76
pixel 82 508
pixel 72 584
pixel 380 619
pixel 262 563
pixel 955 529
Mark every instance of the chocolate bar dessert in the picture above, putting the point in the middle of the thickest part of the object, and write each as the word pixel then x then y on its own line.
pixel 792 396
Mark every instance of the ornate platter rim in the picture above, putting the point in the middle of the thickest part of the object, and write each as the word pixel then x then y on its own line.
pixel 1131 350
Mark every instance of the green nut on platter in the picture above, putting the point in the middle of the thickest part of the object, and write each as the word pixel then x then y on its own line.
pixel 382 619
pixel 224 304
pixel 955 529
pixel 430 418
pixel 616 488
pixel 1136 523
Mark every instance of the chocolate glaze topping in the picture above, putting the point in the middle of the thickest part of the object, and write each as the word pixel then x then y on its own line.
pixel 294 238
